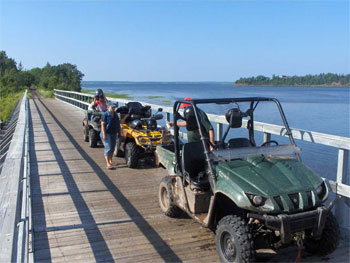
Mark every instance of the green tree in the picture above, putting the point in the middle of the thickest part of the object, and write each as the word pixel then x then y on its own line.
pixel 14 79
pixel 322 79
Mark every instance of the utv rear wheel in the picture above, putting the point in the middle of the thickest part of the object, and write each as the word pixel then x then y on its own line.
pixel 166 198
pixel 329 239
pixel 131 154
pixel 233 240
pixel 118 151
pixel 93 137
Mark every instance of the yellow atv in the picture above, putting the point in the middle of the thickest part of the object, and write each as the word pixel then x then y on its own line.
pixel 140 133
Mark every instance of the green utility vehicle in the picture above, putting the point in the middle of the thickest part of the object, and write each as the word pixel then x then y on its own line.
pixel 252 196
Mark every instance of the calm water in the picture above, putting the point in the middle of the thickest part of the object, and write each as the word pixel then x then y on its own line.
pixel 319 109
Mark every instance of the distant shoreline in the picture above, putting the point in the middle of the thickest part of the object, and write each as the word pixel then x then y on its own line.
pixel 320 80
pixel 208 82
pixel 271 85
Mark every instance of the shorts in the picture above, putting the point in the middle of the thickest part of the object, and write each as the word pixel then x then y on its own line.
pixel 109 143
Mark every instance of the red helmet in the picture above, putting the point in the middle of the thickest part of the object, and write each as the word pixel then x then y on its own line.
pixel 184 105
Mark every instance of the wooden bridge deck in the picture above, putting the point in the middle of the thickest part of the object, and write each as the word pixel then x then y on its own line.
pixel 85 213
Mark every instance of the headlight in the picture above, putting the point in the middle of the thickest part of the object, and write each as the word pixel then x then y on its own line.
pixel 142 140
pixel 167 139
pixel 321 191
pixel 256 200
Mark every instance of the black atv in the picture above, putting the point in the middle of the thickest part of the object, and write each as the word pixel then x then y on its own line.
pixel 92 128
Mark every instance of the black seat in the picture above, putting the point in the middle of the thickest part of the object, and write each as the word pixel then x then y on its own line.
pixel 238 143
pixel 194 163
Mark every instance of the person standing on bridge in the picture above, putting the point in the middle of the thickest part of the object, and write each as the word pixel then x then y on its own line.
pixel 110 129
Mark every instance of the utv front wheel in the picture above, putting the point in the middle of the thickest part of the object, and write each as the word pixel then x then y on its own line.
pixel 118 151
pixel 166 198
pixel 93 137
pixel 329 239
pixel 131 154
pixel 233 240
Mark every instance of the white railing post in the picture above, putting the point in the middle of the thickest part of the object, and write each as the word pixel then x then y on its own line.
pixel 342 178
pixel 219 127
pixel 168 116
pixel 267 136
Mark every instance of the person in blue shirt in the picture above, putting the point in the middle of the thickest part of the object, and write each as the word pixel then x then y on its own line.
pixel 110 129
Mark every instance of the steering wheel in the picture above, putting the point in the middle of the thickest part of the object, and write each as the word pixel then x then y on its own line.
pixel 268 142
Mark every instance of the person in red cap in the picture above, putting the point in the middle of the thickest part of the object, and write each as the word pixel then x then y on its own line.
pixel 184 105
pixel 194 136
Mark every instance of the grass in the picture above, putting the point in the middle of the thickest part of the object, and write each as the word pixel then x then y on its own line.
pixel 154 97
pixel 8 104
pixel 110 94
pixel 45 93
pixel 29 94
pixel 88 91
pixel 167 102
pixel 118 96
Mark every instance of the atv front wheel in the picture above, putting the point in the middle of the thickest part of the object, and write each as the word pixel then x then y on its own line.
pixel 93 137
pixel 329 239
pixel 131 154
pixel 118 151
pixel 166 198
pixel 233 240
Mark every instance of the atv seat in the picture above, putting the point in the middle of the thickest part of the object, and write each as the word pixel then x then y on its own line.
pixel 194 163
pixel 135 110
pixel 238 143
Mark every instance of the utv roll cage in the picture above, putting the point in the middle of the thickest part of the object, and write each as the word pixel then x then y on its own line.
pixel 238 115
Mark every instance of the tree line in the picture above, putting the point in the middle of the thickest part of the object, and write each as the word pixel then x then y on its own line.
pixel 14 79
pixel 322 79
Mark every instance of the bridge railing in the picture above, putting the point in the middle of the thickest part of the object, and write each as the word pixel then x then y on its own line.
pixel 340 186
pixel 15 208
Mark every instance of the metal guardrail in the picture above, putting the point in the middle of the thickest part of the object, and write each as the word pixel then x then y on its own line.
pixel 15 209
pixel 6 134
pixel 340 186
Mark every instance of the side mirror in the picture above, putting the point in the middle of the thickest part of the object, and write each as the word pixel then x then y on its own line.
pixel 234 118
pixel 158 116
pixel 160 109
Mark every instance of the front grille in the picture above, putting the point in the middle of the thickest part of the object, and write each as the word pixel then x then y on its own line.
pixel 309 198
pixel 295 200
pixel 279 202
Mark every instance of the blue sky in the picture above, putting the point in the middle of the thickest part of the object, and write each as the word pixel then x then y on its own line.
pixel 179 40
